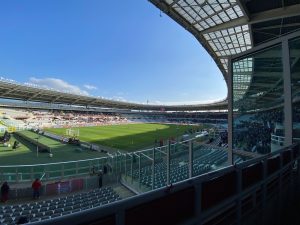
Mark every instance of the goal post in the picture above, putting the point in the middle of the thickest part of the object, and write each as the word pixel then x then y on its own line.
pixel 71 132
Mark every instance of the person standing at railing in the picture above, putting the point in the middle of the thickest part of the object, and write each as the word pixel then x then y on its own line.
pixel 36 186
pixel 4 192
pixel 100 174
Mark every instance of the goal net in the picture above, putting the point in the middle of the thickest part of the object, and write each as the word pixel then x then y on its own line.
pixel 71 132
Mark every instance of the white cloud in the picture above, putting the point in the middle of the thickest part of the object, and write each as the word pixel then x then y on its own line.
pixel 90 87
pixel 156 102
pixel 119 98
pixel 58 85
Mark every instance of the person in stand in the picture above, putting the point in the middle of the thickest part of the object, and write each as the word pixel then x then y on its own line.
pixel 100 174
pixel 36 186
pixel 22 220
pixel 4 192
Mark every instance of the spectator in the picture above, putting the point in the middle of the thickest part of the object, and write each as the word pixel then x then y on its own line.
pixel 105 169
pixel 22 220
pixel 36 185
pixel 100 178
pixel 4 192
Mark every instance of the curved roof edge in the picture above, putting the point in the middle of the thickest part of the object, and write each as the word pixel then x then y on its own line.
pixel 221 27
pixel 12 90
pixel 230 27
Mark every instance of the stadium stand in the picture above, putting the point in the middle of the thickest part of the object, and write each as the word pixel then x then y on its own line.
pixel 251 189
pixel 28 119
pixel 59 206
pixel 178 117
pixel 205 159
pixel 255 44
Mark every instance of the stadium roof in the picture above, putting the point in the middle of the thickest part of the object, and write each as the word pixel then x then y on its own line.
pixel 224 28
pixel 229 27
pixel 16 91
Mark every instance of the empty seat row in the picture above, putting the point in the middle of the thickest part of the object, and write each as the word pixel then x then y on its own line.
pixel 41 210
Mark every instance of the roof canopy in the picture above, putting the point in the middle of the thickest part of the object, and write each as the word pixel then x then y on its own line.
pixel 12 90
pixel 228 27
pixel 223 27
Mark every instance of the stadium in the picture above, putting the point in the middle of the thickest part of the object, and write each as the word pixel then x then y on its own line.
pixel 110 162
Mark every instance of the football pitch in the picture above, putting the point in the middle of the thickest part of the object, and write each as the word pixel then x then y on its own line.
pixel 129 137
pixel 27 152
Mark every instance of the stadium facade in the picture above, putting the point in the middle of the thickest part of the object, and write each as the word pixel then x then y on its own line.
pixel 256 45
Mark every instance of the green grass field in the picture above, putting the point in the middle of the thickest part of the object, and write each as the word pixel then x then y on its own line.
pixel 26 153
pixel 129 137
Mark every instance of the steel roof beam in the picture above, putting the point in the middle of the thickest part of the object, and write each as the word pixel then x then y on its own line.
pixel 58 97
pixel 277 26
pixel 244 9
pixel 10 91
pixel 184 23
pixel 273 14
pixel 35 95
pixel 215 13
pixel 285 12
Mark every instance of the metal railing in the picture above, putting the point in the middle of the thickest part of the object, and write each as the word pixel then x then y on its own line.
pixel 118 163
pixel 225 196
pixel 279 140
pixel 52 171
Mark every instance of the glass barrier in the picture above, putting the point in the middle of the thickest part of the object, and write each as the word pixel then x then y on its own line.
pixel 294 46
pixel 179 161
pixel 258 100
pixel 143 170
pixel 53 171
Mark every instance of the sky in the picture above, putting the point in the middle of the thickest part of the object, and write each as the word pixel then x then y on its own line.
pixel 122 50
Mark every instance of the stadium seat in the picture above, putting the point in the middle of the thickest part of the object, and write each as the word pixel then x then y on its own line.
pixel 47 209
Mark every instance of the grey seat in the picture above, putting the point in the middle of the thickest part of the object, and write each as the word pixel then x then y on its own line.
pixel 48 213
pixel 39 214
pixel 34 211
pixel 35 207
pixel 69 204
pixel 61 205
pixel 76 206
pixel 97 204
pixel 8 210
pixel 33 204
pixel 85 208
pixel 35 219
pixel 8 220
pixel 55 215
pixel 16 214
pixel 15 207
pixel 48 201
pixel 84 204
pixel 45 218
pixel 76 210
pixel 58 210
pixel 66 212
pixel 43 209
pixel 68 208
pixel 25 212
pixel 52 207
pixel 26 207
pixel 62 198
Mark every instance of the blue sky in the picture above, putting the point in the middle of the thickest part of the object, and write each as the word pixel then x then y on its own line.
pixel 115 49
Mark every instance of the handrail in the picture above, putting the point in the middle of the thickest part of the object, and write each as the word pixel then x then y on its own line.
pixel 56 163
pixel 121 208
